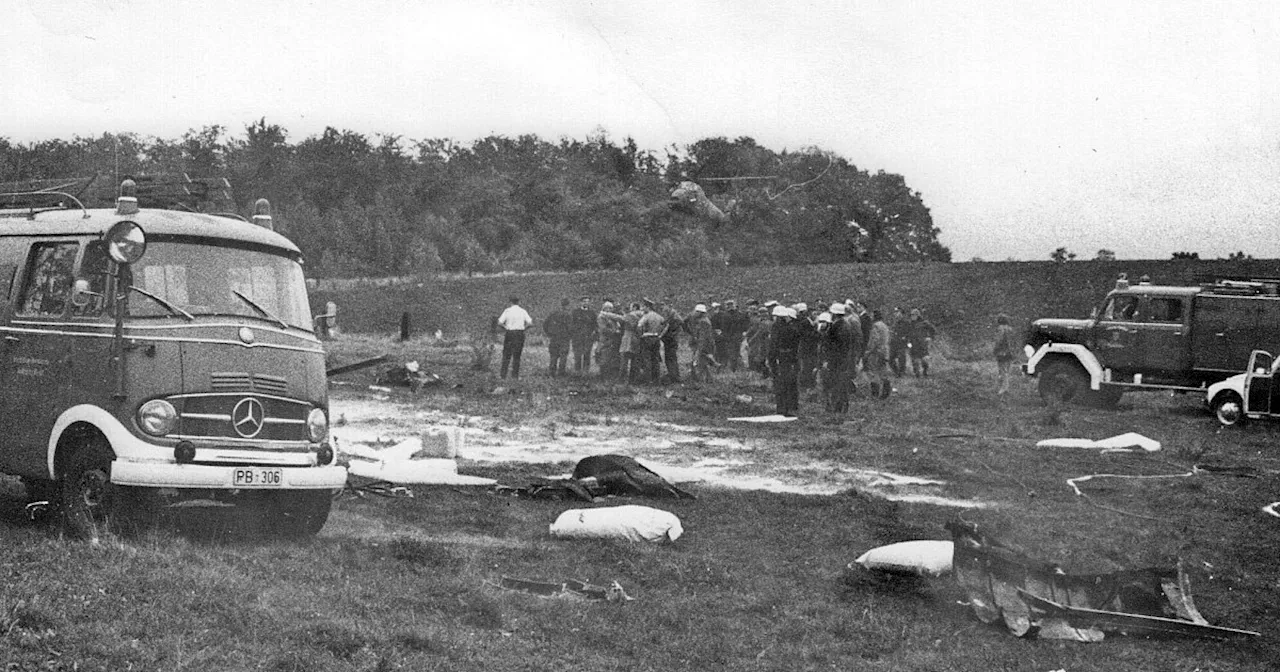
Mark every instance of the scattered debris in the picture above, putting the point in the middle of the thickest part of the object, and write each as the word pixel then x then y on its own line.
pixel 602 476
pixel 571 588
pixel 622 475
pixel 1270 509
pixel 409 375
pixel 1034 598
pixel 924 557
pixel 1080 479
pixel 363 364
pixel 1123 443
pixel 426 459
pixel 764 418
pixel 361 486
pixel 630 522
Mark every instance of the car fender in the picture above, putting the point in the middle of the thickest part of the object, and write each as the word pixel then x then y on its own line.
pixel 1233 384
pixel 1079 352
pixel 123 442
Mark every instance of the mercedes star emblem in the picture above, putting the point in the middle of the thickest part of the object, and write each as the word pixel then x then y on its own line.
pixel 247 417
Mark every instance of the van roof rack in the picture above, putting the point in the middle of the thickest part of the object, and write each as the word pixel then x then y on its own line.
pixel 167 191
pixel 1244 285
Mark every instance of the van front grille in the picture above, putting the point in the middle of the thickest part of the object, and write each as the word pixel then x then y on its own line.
pixel 249 382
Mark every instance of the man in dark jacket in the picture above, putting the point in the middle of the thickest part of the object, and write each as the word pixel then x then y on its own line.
pixel 671 339
pixel 784 350
pixel 556 327
pixel 920 333
pixel 582 331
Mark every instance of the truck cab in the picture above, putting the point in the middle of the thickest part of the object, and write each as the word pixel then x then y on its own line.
pixel 153 356
pixel 1145 336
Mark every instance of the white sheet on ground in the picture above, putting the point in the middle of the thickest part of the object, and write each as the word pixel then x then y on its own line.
pixel 631 522
pixel 1121 442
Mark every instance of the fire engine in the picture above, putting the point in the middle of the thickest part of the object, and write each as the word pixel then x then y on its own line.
pixel 1147 336
pixel 157 355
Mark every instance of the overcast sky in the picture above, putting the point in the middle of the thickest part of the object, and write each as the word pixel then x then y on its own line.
pixel 1141 127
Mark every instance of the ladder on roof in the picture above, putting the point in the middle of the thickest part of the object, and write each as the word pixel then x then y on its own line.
pixel 168 191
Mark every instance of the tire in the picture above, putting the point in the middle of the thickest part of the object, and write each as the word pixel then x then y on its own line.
pixel 299 514
pixel 1228 408
pixel 86 497
pixel 1063 382
pixel 1107 397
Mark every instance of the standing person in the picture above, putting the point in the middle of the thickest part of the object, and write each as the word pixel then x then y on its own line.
pixel 784 342
pixel 736 323
pixel 898 343
pixel 757 341
pixel 513 321
pixel 808 353
pixel 717 318
pixel 556 327
pixel 609 331
pixel 857 342
pixel 670 339
pixel 837 341
pixel 650 328
pixel 1003 350
pixel 876 359
pixel 583 334
pixel 629 345
pixel 702 340
pixel 920 333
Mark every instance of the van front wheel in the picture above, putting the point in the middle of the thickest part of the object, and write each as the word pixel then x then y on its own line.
pixel 86 495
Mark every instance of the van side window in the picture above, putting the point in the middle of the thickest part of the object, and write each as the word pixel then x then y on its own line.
pixel 93 268
pixel 1166 310
pixel 46 287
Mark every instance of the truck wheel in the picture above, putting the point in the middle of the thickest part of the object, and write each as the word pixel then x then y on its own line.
pixel 1229 409
pixel 1107 397
pixel 1063 382
pixel 86 495
pixel 299 514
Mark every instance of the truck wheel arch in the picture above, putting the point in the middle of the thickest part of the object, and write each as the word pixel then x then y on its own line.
pixel 1050 352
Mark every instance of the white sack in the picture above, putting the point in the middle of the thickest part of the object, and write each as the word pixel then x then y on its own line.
pixel 631 522
pixel 927 558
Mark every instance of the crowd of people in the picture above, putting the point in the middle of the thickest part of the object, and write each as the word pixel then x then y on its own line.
pixel 840 349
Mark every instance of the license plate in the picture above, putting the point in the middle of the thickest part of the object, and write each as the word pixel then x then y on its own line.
pixel 258 477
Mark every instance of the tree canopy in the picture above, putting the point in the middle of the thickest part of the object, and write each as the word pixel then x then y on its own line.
pixel 386 205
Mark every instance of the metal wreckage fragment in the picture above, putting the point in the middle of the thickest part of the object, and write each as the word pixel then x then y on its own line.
pixel 1034 598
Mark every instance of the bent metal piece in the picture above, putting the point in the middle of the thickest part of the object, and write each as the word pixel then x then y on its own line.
pixel 1037 598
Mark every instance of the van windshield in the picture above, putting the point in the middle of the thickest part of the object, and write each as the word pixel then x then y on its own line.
pixel 203 279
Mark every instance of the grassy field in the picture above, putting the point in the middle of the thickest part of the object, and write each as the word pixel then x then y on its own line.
pixel 757 581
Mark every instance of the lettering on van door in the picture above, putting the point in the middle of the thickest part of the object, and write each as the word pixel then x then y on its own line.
pixel 33 367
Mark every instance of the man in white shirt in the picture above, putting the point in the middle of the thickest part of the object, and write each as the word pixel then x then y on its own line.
pixel 514 321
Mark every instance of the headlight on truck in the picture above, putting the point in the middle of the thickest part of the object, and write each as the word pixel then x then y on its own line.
pixel 317 425
pixel 157 417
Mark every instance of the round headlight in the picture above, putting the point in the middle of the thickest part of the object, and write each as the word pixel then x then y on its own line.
pixel 317 425
pixel 157 417
pixel 126 243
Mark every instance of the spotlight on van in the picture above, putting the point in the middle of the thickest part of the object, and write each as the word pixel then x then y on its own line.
pixel 126 243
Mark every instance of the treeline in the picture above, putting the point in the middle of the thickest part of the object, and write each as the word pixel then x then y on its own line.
pixel 386 205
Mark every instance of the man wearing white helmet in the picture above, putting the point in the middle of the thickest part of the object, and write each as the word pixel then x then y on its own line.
pixel 702 340
pixel 838 342
pixel 784 342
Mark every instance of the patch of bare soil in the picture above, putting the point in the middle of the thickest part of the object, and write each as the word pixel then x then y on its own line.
pixel 724 457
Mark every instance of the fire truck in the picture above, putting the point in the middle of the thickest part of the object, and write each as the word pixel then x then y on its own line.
pixel 156 355
pixel 1146 336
